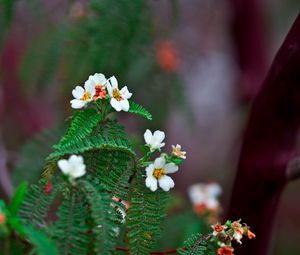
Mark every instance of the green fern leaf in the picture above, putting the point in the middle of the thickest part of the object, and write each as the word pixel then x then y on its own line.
pixel 105 228
pixel 145 215
pixel 36 204
pixel 139 110
pixel 107 136
pixel 81 126
pixel 17 199
pixel 41 243
pixel 71 231
pixel 198 244
pixel 111 169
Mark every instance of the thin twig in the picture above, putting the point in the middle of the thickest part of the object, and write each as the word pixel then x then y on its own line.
pixel 152 252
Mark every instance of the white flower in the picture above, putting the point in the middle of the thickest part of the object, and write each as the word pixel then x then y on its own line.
pixel 238 231
pixel 74 167
pixel 206 194
pixel 176 150
pixel 213 189
pixel 157 174
pixel 154 141
pixel 119 98
pixel 238 237
pixel 83 95
pixel 98 81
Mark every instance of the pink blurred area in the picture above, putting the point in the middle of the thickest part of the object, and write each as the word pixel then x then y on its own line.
pixel 221 51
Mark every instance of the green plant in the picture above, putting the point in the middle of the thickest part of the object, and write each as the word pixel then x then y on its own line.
pixel 95 190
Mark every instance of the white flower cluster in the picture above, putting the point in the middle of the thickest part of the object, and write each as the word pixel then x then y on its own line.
pixel 98 87
pixel 205 194
pixel 156 172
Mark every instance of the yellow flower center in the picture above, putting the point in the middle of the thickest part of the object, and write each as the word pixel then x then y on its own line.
pixel 117 95
pixel 158 173
pixel 86 96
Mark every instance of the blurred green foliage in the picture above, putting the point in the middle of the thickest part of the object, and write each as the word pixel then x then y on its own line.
pixel 117 38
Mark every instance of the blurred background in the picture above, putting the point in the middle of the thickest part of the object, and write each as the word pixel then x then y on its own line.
pixel 196 65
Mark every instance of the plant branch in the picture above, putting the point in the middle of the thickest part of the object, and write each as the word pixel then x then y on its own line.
pixel 293 169
pixel 270 142
pixel 249 36
pixel 153 252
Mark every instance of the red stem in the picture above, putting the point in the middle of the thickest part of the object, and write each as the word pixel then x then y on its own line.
pixel 152 252
pixel 269 143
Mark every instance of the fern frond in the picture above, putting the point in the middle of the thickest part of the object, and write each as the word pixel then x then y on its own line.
pixel 41 243
pixel 108 136
pixel 36 204
pixel 198 244
pixel 82 124
pixel 145 215
pixel 70 231
pixel 111 169
pixel 104 219
pixel 139 110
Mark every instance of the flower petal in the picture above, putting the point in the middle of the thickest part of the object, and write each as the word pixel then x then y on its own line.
pixel 78 171
pixel 75 160
pixel 197 194
pixel 64 166
pixel 213 189
pixel 115 104
pixel 109 89
pixel 149 170
pixel 160 145
pixel 159 136
pixel 166 183
pixel 125 105
pixel 171 168
pixel 212 203
pixel 113 82
pixel 159 162
pixel 77 104
pixel 89 86
pixel 151 183
pixel 125 93
pixel 148 137
pixel 78 92
pixel 99 79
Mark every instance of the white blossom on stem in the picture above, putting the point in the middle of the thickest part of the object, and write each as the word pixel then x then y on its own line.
pixel 99 82
pixel 73 167
pixel 82 95
pixel 157 174
pixel 155 140
pixel 118 98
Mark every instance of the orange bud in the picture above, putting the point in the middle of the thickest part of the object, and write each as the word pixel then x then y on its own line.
pixel 2 218
pixel 227 250
pixel 200 209
pixel 250 234
pixel 218 228
pixel 166 56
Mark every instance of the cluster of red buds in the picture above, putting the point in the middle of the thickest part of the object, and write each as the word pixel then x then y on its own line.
pixel 223 235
